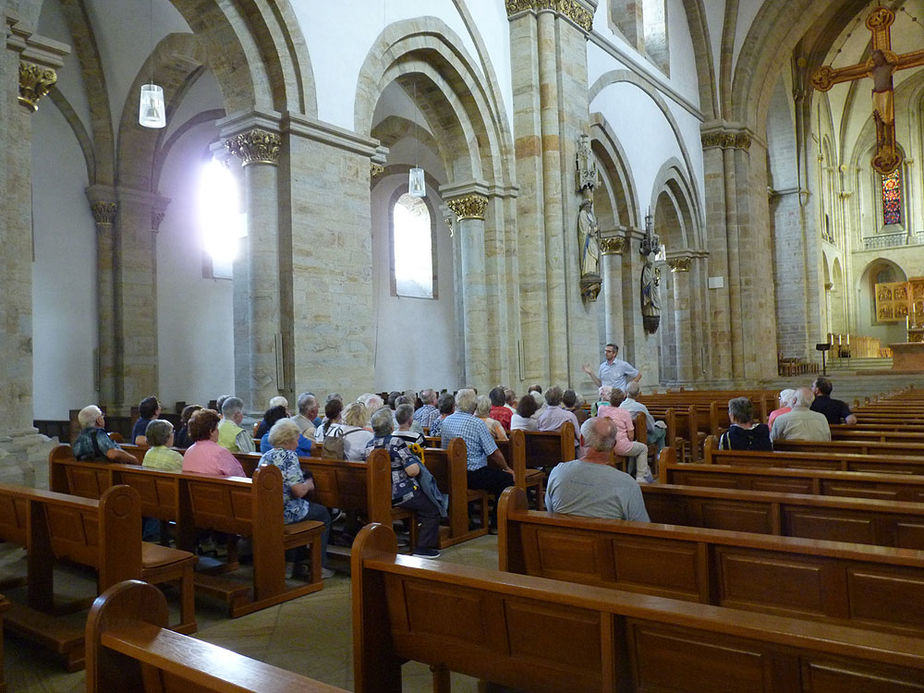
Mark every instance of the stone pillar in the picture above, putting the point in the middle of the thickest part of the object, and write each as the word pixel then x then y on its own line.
pixel 27 70
pixel 612 248
pixel 682 304
pixel 105 212
pixel 470 228
pixel 550 112
pixel 257 295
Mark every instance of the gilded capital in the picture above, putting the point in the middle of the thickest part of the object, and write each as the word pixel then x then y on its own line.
pixel 680 264
pixel 726 140
pixel 571 9
pixel 612 246
pixel 34 83
pixel 376 170
pixel 255 147
pixel 104 213
pixel 471 206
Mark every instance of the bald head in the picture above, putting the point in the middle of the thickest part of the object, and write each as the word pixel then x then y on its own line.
pixel 599 433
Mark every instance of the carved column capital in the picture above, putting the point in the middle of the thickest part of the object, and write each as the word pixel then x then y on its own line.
pixel 471 206
pixel 581 13
pixel 726 138
pixel 104 213
pixel 681 263
pixel 256 146
pixel 34 83
pixel 376 170
pixel 615 245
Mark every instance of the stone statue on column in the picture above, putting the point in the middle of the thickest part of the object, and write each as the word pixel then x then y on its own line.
pixel 588 230
pixel 651 280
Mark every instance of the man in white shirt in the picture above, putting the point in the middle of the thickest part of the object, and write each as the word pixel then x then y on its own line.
pixel 613 371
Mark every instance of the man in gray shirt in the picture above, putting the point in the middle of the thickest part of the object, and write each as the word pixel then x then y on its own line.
pixel 589 487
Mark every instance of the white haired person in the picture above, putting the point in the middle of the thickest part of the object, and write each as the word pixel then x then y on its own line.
pixel 93 443
pixel 296 485
pixel 785 405
pixel 160 455
pixel 231 435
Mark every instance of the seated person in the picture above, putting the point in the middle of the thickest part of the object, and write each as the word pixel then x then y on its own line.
pixel 447 405
pixel 206 456
pixel 588 486
pixel 801 423
pixel 404 417
pixel 785 405
pixel 148 410
pixel 355 433
pixel 656 432
pixel 523 419
pixel 574 403
pixel 555 415
pixel 231 435
pixel 159 434
pixel 277 401
pixel 498 409
pixel 181 437
pixel 272 415
pixel 625 437
pixel 483 410
pixel 834 410
pixel 406 492
pixel 603 399
pixel 332 419
pixel 744 433
pixel 93 443
pixel 284 437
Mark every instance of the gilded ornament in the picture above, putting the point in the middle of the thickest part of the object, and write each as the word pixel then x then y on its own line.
pixel 255 147
pixel 104 213
pixel 571 9
pixel 376 170
pixel 680 264
pixel 726 140
pixel 612 246
pixel 34 83
pixel 471 206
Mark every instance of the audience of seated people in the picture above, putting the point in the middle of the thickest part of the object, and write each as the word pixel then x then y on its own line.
pixel 270 418
pixel 284 438
pixel 589 486
pixel 834 410
pixel 205 455
pixel 231 435
pixel 744 433
pixel 160 454
pixel 181 437
pixel 262 427
pixel 554 415
pixel 93 443
pixel 148 410
pixel 408 490
pixel 625 437
pixel 483 410
pixel 524 417
pixel 801 423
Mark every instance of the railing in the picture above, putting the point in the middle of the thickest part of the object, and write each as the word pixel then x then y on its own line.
pixel 892 240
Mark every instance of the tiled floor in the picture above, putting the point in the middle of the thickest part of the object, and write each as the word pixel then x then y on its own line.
pixel 310 635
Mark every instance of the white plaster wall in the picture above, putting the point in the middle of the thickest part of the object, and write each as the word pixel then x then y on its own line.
pixel 644 132
pixel 683 61
pixel 52 24
pixel 328 27
pixel 125 33
pixel 415 338
pixel 64 315
pixel 195 325
pixel 204 95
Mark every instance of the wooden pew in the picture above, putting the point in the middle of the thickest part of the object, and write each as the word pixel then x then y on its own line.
pixel 514 451
pixel 833 460
pixel 224 504
pixel 103 534
pixel 537 634
pixel 448 467
pixel 823 579
pixel 128 649
pixel 857 520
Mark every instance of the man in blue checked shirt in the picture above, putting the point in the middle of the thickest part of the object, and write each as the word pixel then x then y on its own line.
pixel 480 448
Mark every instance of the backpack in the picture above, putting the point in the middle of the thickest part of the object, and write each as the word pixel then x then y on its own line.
pixel 332 445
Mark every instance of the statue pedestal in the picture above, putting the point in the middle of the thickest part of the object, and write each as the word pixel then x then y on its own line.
pixel 907 356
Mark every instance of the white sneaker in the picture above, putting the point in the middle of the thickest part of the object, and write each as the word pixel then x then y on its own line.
pixel 647 479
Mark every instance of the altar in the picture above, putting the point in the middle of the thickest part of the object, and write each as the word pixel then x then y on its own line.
pixel 907 356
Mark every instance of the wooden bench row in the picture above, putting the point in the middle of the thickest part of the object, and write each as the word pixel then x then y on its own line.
pixel 537 634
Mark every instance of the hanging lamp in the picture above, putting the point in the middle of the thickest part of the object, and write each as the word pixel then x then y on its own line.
pixel 152 113
pixel 416 187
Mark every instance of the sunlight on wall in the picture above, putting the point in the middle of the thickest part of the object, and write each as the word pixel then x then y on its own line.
pixel 221 222
pixel 412 248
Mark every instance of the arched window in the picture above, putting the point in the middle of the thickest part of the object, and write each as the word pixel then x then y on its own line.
pixel 892 198
pixel 413 267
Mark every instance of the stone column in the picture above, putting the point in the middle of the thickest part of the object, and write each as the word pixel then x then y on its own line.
pixel 612 248
pixel 550 112
pixel 105 212
pixel 682 303
pixel 470 228
pixel 257 300
pixel 27 71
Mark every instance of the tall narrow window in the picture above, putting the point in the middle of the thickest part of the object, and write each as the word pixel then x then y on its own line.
pixel 892 198
pixel 412 248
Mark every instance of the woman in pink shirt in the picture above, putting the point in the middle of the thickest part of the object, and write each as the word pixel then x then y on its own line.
pixel 625 433
pixel 785 405
pixel 205 455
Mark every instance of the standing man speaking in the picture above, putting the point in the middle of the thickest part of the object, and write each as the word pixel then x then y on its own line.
pixel 614 372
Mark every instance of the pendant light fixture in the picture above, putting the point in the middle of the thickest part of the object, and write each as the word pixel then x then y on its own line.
pixel 151 110
pixel 416 187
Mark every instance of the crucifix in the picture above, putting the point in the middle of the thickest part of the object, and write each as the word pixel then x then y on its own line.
pixel 880 66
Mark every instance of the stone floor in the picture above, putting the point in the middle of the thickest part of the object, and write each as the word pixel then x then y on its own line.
pixel 310 635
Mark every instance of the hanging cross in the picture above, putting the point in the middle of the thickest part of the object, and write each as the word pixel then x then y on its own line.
pixel 880 66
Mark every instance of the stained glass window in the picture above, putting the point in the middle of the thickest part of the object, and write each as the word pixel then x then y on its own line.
pixel 892 198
